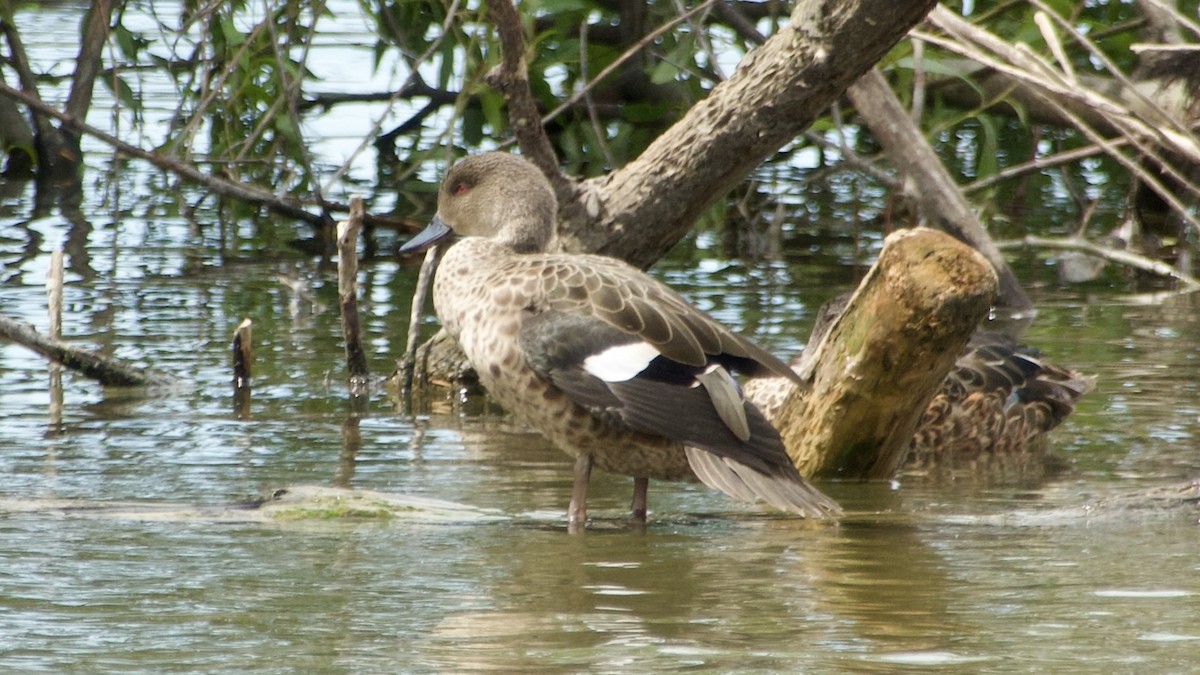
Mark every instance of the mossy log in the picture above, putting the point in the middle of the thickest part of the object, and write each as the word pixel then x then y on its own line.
pixel 885 357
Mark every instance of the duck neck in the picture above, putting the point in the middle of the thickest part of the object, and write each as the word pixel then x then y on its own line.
pixel 527 236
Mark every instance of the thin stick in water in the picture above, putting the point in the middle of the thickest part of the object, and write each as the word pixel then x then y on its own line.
pixel 54 296
pixel 347 240
pixel 242 360
pixel 408 367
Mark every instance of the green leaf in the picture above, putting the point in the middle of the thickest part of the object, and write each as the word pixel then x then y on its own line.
pixel 664 72
pixel 989 149
pixel 124 93
pixel 639 113
pixel 229 31
pixel 447 66
pixel 472 125
pixel 285 128
pixel 126 42
pixel 493 111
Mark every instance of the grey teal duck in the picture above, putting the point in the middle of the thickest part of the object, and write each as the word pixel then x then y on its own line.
pixel 609 364
pixel 995 406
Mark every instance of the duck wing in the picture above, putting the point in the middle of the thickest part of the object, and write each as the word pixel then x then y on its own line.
pixel 639 305
pixel 627 380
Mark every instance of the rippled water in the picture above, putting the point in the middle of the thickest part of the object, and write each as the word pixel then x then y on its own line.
pixel 921 576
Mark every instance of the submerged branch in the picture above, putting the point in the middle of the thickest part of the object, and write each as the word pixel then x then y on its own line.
pixel 106 371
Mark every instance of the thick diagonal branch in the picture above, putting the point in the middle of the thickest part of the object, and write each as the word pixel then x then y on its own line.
pixel 640 211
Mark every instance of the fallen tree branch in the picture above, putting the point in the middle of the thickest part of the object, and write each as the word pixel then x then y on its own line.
pixel 109 372
pixel 776 92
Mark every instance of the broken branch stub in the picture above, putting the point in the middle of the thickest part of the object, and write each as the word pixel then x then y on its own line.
pixel 886 356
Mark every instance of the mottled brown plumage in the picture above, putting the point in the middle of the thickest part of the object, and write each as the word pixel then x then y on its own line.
pixel 999 400
pixel 611 366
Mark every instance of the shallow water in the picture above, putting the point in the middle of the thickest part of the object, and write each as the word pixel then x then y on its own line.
pixel 921 576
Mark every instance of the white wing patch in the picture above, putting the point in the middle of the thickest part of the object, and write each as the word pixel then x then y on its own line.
pixel 621 363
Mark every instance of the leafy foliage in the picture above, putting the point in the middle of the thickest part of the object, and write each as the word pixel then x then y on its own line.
pixel 610 75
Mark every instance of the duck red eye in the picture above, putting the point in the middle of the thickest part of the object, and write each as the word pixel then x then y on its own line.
pixel 460 189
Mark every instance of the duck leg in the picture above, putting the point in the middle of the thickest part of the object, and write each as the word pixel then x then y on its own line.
pixel 577 512
pixel 637 509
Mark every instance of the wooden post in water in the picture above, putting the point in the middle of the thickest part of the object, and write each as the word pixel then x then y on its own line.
pixel 885 356
pixel 347 239
pixel 243 357
pixel 54 296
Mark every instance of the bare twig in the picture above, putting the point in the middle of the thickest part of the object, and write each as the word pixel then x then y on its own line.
pixel 242 360
pixel 54 293
pixel 511 78
pixel 1119 256
pixel 1143 48
pixel 1039 163
pixel 54 296
pixel 409 363
pixel 917 110
pixel 243 355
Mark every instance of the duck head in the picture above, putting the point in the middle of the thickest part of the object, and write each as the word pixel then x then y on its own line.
pixel 494 195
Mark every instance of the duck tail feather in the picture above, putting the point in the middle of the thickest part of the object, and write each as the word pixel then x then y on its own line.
pixel 786 493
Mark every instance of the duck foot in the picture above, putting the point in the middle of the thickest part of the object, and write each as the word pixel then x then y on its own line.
pixel 637 508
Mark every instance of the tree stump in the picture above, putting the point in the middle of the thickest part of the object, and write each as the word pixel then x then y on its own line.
pixel 883 358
